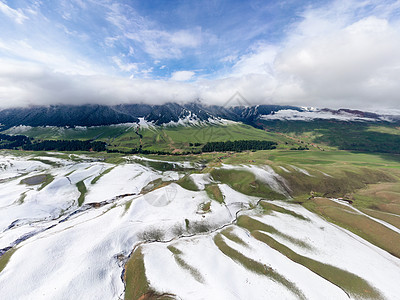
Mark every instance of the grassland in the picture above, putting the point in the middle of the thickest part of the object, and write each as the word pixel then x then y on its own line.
pixel 5 258
pixel 390 218
pixel 136 284
pixel 255 266
pixel 349 282
pixel 229 233
pixel 21 198
pixel 46 161
pixel 214 192
pixel 94 180
pixel 187 183
pixel 361 225
pixel 164 138
pixel 78 133
pixel 385 129
pixel 330 134
pixel 383 197
pixel 82 189
pixel 179 137
pixel 381 200
pixel 184 264
pixel 154 185
pixel 244 182
pixel 317 135
pixel 332 173
pixel 370 181
pixel 252 225
pixel 268 207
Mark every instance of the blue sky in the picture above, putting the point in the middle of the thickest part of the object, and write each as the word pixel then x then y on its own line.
pixel 311 53
pixel 151 39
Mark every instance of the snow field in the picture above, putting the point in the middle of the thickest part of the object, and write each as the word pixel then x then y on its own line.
pixel 83 255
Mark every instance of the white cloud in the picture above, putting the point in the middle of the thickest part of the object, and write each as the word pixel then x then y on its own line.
pixel 51 58
pixel 158 43
pixel 182 75
pixel 351 65
pixel 110 41
pixel 229 58
pixel 163 44
pixel 23 84
pixel 259 61
pixel 17 15
pixel 131 51
pixel 346 54
pixel 328 61
pixel 126 67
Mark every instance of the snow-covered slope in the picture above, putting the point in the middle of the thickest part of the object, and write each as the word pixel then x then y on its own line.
pixel 325 114
pixel 60 250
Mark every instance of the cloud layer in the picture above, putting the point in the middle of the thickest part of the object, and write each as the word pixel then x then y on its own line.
pixel 339 54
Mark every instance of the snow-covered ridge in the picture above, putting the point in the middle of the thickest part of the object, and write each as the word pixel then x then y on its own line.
pixel 187 121
pixel 265 174
pixel 313 114
pixel 89 245
pixel 182 164
pixel 191 119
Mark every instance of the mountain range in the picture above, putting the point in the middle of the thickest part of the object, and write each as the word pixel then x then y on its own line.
pixel 171 113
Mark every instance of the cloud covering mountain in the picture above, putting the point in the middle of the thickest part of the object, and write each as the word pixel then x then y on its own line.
pixel 324 54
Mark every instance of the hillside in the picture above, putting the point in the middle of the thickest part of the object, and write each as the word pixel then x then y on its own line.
pixel 268 218
pixel 380 137
pixel 183 128
pixel 257 216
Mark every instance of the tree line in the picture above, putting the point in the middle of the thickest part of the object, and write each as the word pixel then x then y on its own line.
pixel 23 142
pixel 66 145
pixel 13 141
pixel 238 146
pixel 26 143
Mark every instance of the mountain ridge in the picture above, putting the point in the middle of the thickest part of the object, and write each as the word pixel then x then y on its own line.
pixel 171 113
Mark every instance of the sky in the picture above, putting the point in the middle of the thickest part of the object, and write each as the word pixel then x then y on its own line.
pixel 335 54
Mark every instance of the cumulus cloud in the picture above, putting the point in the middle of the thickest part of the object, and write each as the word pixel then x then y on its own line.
pixel 260 60
pixel 327 61
pixel 182 75
pixel 24 84
pixel 355 65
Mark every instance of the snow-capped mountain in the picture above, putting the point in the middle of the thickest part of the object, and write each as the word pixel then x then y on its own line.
pixel 173 114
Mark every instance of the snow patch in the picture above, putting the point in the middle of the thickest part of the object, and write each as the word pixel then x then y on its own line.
pixel 312 114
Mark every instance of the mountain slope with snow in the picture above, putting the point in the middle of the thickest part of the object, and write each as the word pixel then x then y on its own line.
pixel 135 219
pixel 173 113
